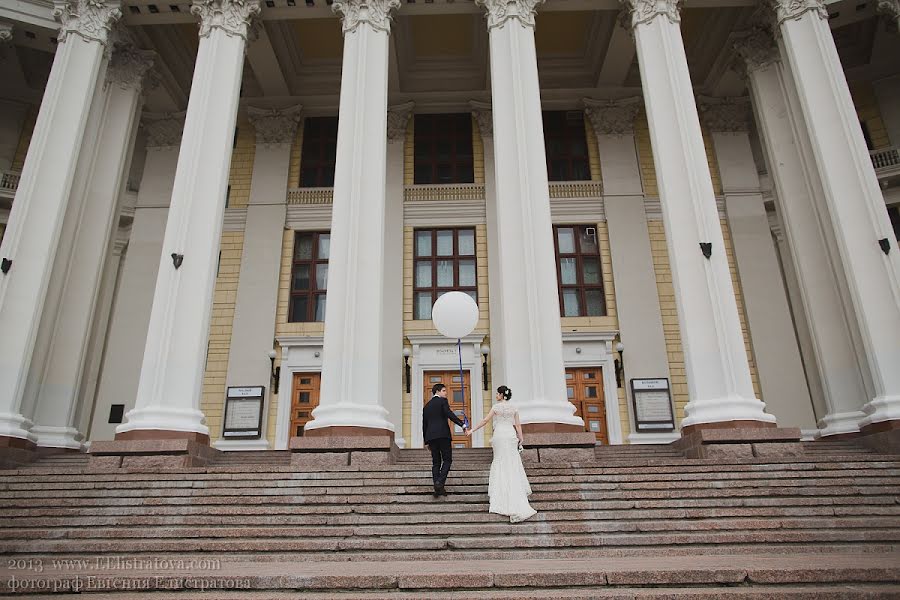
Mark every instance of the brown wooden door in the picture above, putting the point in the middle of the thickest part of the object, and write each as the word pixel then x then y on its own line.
pixel 454 397
pixel 304 398
pixel 585 390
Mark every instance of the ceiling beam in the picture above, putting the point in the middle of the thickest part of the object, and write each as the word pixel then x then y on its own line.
pixel 264 63
pixel 619 56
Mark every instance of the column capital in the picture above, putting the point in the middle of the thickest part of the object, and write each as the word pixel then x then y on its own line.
pixel 484 116
pixel 234 17
pixel 612 117
pixel 786 10
pixel 274 126
pixel 725 114
pixel 163 129
pixel 377 13
pixel 6 32
pixel 128 66
pixel 397 120
pixel 91 19
pixel 644 11
pixel 889 8
pixel 756 49
pixel 501 11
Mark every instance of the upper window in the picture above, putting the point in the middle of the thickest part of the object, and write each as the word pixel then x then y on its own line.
pixel 566 144
pixel 309 276
pixel 578 271
pixel 319 150
pixel 443 149
pixel 444 262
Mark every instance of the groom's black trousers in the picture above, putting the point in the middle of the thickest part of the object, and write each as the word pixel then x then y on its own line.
pixel 441 457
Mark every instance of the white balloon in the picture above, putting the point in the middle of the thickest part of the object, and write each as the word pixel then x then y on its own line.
pixel 455 314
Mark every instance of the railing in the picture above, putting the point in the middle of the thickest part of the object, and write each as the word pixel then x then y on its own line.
pixel 9 182
pixel 887 158
pixel 576 189
pixel 445 192
pixel 318 195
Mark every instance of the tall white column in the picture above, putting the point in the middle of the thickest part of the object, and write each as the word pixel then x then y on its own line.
pixel 637 306
pixel 168 397
pixel 392 388
pixel 29 246
pixel 482 113
pixel 93 217
pixel 775 347
pixel 864 237
pixel 532 356
pixel 718 373
pixel 121 366
pixel 353 364
pixel 253 330
pixel 796 185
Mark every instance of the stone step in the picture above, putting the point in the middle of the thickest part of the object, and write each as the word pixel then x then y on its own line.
pixel 479 578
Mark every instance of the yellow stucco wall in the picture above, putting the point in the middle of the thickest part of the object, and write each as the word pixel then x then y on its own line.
pixel 242 164
pixel 24 139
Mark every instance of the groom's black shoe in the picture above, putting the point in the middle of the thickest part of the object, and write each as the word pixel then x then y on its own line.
pixel 438 490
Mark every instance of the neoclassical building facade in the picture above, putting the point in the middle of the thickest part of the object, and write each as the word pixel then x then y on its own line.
pixel 228 220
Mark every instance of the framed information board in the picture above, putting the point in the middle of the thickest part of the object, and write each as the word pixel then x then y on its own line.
pixel 652 405
pixel 243 412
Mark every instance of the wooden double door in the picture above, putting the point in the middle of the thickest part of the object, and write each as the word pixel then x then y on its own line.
pixel 455 386
pixel 304 398
pixel 584 388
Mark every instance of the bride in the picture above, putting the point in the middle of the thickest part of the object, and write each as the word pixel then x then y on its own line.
pixel 508 487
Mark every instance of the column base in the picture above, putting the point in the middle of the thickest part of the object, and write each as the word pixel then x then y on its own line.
pixel 846 423
pixel 879 410
pixel 151 454
pixel 58 437
pixel 178 423
pixel 731 411
pixel 747 441
pixel 162 434
pixel 329 447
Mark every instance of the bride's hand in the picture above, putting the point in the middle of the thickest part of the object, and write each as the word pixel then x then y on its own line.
pixel 469 432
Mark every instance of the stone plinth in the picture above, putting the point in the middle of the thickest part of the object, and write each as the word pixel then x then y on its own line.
pixel 572 446
pixel 740 442
pixel 881 438
pixel 317 452
pixel 151 454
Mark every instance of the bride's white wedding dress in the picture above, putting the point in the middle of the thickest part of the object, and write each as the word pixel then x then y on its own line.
pixel 508 486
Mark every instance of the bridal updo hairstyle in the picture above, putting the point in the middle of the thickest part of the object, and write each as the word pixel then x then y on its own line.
pixel 505 392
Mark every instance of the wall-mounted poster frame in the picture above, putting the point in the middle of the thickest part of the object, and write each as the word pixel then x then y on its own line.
pixel 243 412
pixel 652 402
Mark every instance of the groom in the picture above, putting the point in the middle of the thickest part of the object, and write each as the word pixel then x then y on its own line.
pixel 436 434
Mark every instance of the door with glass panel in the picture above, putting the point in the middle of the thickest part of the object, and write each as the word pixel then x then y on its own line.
pixel 584 388
pixel 304 398
pixel 455 397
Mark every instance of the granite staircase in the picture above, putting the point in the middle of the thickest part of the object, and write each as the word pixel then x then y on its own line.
pixel 638 522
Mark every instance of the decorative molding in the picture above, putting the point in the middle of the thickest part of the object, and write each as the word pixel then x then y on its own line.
pixel 587 190
pixel 398 120
pixel 311 195
pixel 612 117
pixel 128 66
pixel 653 208
pixel 234 17
pixel 577 210
pixel 449 213
pixel 484 116
pixel 756 49
pixel 725 114
pixel 163 129
pixel 90 19
pixel 888 8
pixel 6 32
pixel 274 126
pixel 786 10
pixel 309 217
pixel 467 192
pixel 377 13
pixel 644 11
pixel 501 11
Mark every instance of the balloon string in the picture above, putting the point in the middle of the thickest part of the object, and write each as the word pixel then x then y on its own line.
pixel 462 380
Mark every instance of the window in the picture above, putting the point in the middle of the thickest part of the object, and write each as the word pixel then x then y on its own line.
pixel 566 145
pixel 443 149
pixel 578 271
pixel 318 153
pixel 309 277
pixel 444 262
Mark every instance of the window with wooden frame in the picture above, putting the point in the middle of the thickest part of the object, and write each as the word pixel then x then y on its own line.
pixel 309 276
pixel 317 156
pixel 566 144
pixel 578 271
pixel 443 149
pixel 444 262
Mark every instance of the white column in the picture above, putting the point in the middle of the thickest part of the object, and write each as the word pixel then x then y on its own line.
pixel 171 382
pixel 637 298
pixel 353 365
pixel 775 347
pixel 392 385
pixel 718 373
pixel 482 113
pixel 813 263
pixel 93 217
pixel 253 331
pixel 37 215
pixel 865 240
pixel 121 367
pixel 532 355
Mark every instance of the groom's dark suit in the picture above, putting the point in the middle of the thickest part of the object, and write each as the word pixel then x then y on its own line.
pixel 437 436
